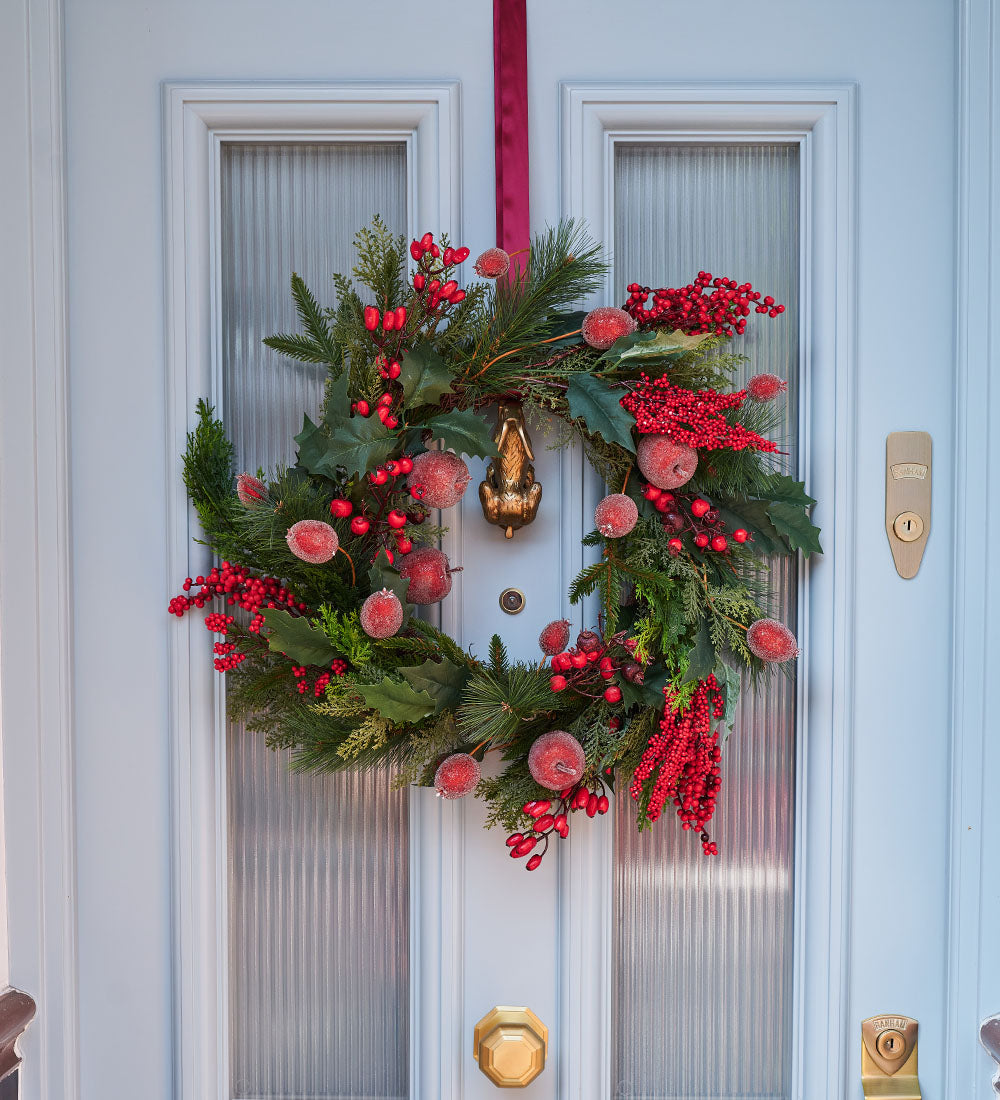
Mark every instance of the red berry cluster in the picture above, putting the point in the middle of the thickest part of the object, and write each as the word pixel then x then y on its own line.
pixel 552 819
pixel 685 756
pixel 381 521
pixel 236 585
pixel 592 662
pixel 337 668
pixel 692 417
pixel 689 308
pixel 682 514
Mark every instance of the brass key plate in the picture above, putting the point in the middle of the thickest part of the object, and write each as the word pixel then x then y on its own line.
pixel 907 498
pixel 889 1057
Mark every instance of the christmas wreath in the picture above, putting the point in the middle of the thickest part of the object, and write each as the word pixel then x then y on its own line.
pixel 322 565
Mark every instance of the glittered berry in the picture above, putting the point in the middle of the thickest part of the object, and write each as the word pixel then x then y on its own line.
pixel 606 324
pixel 359 525
pixel 493 263
pixel 554 637
pixel 771 641
pixel 250 490
pixel 700 507
pixel 429 574
pixel 765 387
pixel 557 683
pixel 741 534
pixel 457 775
pixel 556 760
pixel 381 614
pixel 341 508
pixel 665 463
pixel 442 476
pixel 616 515
pixel 312 540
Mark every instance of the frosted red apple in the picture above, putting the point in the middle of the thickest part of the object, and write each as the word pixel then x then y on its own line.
pixel 381 614
pixel 664 463
pixel 312 540
pixel 251 490
pixel 429 574
pixel 765 387
pixel 603 326
pixel 616 515
pixel 440 478
pixel 771 641
pixel 556 760
pixel 457 775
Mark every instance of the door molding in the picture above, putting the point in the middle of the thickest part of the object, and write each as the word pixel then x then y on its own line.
pixel 822 121
pixel 38 890
pixel 198 119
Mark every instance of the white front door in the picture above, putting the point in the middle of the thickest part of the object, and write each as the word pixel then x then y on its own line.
pixel 240 934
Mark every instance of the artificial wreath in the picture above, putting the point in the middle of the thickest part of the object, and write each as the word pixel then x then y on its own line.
pixel 322 565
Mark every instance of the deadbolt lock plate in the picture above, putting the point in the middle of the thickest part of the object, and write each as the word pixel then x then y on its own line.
pixel 907 498
pixel 889 1057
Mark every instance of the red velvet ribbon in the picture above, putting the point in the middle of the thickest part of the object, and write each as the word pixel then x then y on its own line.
pixel 510 105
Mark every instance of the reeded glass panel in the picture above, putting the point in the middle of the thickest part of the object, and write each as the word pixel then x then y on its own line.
pixel 703 946
pixel 318 890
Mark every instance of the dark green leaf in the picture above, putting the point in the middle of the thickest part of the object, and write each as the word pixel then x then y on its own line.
pixel 701 659
pixel 649 693
pixel 752 515
pixel 787 489
pixel 651 344
pixel 442 681
pixel 793 523
pixel 425 377
pixel 729 681
pixel 599 408
pixel 357 444
pixel 564 322
pixel 465 433
pixel 397 701
pixel 299 639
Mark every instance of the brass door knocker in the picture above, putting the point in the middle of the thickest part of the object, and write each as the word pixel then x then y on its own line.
pixel 510 495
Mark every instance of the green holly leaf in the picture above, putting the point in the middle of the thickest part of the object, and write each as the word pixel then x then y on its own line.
pixel 559 323
pixel 650 692
pixel 652 344
pixel 397 701
pixel 701 658
pixel 442 681
pixel 730 682
pixel 425 377
pixel 599 408
pixel 752 515
pixel 465 433
pixel 357 444
pixel 300 640
pixel 787 489
pixel 792 522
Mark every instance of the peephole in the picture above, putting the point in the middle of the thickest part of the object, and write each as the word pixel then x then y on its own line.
pixel 512 600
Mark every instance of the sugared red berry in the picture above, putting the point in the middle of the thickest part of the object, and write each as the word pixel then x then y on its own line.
pixel 381 614
pixel 312 540
pixel 441 475
pixel 771 641
pixel 554 637
pixel 429 574
pixel 457 776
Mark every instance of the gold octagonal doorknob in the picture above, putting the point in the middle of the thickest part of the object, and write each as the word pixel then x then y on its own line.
pixel 510 1045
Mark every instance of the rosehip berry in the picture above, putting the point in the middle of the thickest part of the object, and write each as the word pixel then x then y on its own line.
pixel 404 545
pixel 514 838
pixel 719 543
pixel 362 408
pixel 341 508
pixel 395 370
pixel 544 823
pixel 675 546
pixel 579 660
pixel 699 507
pixel 603 804
pixel 652 493
pixel 359 525
pixel 613 694
pixel 554 637
pixel 405 464
pixel 396 518
pixel 534 863
pixel 372 318
pixel 701 540
pixel 537 808
pixel 385 400
pixel 378 477
pixel 741 535
pixel 592 804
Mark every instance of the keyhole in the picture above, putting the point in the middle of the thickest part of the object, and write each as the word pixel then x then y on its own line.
pixel 890 1043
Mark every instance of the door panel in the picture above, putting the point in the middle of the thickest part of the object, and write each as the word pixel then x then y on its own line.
pixel 318 892
pixel 722 929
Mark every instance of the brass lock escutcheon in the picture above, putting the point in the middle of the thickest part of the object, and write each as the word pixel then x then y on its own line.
pixel 889 1057
pixel 510 1046
pixel 510 495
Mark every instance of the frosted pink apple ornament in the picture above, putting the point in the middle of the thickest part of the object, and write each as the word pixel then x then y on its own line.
pixel 616 515
pixel 556 760
pixel 438 479
pixel 429 574
pixel 771 641
pixel 664 463
pixel 765 387
pixel 312 540
pixel 457 775
pixel 603 326
pixel 381 614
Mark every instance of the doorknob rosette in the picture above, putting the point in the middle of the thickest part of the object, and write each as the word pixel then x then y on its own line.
pixel 510 1045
